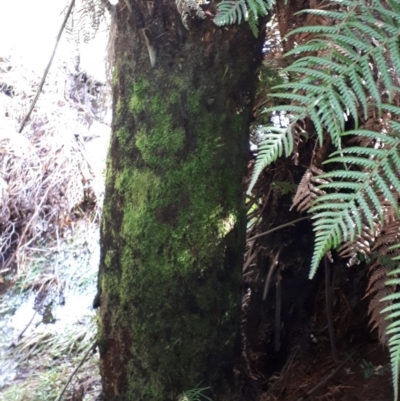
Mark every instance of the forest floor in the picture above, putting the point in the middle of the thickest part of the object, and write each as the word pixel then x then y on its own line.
pixel 304 368
pixel 361 375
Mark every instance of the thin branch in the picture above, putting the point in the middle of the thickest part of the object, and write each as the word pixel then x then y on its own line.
pixel 39 90
pixel 91 348
pixel 249 259
pixel 280 227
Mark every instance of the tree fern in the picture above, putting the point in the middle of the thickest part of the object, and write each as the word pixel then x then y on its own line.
pixel 342 80
pixel 349 69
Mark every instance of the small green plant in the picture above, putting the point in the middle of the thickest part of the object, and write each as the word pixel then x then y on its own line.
pixel 369 369
pixel 195 394
pixel 283 187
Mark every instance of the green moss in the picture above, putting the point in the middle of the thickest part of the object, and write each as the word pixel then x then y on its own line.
pixel 139 93
pixel 123 136
pixel 174 98
pixel 180 82
pixel 168 248
pixel 119 108
pixel 194 102
pixel 115 74
pixel 110 255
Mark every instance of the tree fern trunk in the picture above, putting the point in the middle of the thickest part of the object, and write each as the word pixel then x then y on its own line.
pixel 173 224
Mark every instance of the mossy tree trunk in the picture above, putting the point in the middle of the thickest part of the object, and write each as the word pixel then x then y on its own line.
pixel 173 225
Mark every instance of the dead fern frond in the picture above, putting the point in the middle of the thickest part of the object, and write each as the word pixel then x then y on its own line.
pixel 307 191
pixel 360 245
pixel 390 235
pixel 86 20
pixel 379 271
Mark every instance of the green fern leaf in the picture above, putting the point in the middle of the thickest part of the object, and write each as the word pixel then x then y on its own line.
pixel 352 193
pixel 392 313
pixel 253 23
pixel 278 142
pixel 230 12
pixel 393 330
pixel 234 11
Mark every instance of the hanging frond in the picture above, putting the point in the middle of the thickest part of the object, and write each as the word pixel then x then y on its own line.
pixel 235 11
pixel 276 144
pixel 230 12
pixel 253 23
pixel 352 197
pixel 391 311
pixel 86 19
pixel 379 272
pixel 378 290
pixel 185 7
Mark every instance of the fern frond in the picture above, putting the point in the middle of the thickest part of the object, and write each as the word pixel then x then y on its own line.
pixel 378 290
pixel 253 23
pixel 234 11
pixel 277 142
pixel 86 20
pixel 230 12
pixel 390 305
pixel 379 286
pixel 350 70
pixel 258 8
pixel 338 213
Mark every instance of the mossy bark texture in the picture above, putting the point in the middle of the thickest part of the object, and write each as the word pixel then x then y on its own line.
pixel 173 223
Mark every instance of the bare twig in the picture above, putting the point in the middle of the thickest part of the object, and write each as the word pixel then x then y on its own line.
pixel 271 270
pixel 91 348
pixel 39 90
pixel 249 259
pixel 280 227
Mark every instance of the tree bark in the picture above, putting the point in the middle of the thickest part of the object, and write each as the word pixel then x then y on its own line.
pixel 173 227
